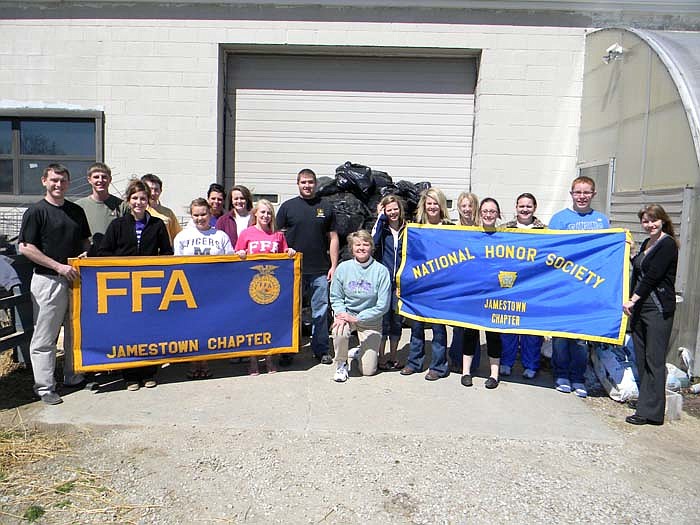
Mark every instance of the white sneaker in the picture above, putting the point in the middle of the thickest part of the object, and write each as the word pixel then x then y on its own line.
pixel 341 373
pixel 563 385
pixel 579 389
pixel 529 373
pixel 505 370
pixel 353 352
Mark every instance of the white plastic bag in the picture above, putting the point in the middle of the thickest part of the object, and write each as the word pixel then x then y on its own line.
pixel 616 369
pixel 676 378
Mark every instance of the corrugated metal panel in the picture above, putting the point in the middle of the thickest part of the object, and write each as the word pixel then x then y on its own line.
pixel 682 206
pixel 625 205
pixel 410 117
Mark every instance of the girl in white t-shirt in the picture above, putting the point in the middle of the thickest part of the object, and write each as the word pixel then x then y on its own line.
pixel 201 240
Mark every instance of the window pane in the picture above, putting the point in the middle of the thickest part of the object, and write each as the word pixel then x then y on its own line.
pixel 5 137
pixel 32 170
pixel 57 137
pixel 5 176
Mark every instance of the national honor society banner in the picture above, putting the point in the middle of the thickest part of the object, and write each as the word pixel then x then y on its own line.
pixel 135 311
pixel 542 282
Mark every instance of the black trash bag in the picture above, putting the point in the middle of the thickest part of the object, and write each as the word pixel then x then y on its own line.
pixel 326 186
pixel 391 189
pixel 351 214
pixel 408 192
pixel 373 202
pixel 344 253
pixel 381 179
pixel 422 186
pixel 369 223
pixel 411 192
pixel 355 178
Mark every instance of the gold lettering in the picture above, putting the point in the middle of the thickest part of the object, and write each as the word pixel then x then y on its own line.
pixel 178 277
pixel 103 292
pixel 138 290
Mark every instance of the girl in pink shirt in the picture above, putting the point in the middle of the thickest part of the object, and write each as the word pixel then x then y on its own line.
pixel 262 237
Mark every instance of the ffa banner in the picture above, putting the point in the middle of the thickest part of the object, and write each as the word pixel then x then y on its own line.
pixel 541 282
pixel 135 311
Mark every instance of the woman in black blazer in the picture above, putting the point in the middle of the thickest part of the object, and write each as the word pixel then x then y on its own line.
pixel 651 309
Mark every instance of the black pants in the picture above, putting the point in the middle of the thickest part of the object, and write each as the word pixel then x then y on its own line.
pixel 140 374
pixel 494 347
pixel 651 332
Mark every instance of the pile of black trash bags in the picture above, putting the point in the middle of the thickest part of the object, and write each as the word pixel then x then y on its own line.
pixel 355 193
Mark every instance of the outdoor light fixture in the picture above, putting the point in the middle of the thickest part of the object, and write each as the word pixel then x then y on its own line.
pixel 614 52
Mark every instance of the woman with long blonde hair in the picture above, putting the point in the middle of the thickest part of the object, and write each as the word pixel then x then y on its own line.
pixel 262 237
pixel 432 209
pixel 468 209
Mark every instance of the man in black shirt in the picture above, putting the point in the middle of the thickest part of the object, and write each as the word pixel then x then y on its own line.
pixel 53 230
pixel 308 223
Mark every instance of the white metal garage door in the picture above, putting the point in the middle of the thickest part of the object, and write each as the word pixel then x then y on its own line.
pixel 410 117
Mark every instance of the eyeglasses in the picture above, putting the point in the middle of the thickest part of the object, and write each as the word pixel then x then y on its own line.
pixel 489 212
pixel 581 193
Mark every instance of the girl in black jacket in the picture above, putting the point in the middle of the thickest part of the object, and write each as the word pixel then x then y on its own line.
pixel 651 308
pixel 137 233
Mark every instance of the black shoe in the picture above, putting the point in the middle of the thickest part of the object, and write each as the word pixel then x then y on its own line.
pixel 286 360
pixel 634 419
pixel 632 403
pixel 52 398
pixel 326 359
pixel 491 382
pixel 467 380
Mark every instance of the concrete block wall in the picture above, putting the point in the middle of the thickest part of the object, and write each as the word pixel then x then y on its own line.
pixel 157 82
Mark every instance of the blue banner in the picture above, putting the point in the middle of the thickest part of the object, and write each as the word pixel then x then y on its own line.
pixel 135 311
pixel 541 282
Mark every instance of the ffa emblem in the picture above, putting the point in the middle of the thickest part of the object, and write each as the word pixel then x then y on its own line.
pixel 507 279
pixel 320 213
pixel 264 288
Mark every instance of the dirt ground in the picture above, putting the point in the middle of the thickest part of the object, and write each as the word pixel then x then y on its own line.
pixel 169 473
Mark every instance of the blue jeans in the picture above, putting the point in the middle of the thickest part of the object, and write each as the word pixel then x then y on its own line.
pixel 569 359
pixel 530 348
pixel 316 285
pixel 416 352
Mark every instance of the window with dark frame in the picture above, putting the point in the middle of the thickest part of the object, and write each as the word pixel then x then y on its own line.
pixel 31 140
pixel 272 197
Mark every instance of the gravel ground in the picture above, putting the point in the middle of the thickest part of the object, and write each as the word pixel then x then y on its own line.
pixel 167 472
pixel 196 475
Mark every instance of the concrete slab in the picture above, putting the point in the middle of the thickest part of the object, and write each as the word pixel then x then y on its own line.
pixel 305 399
